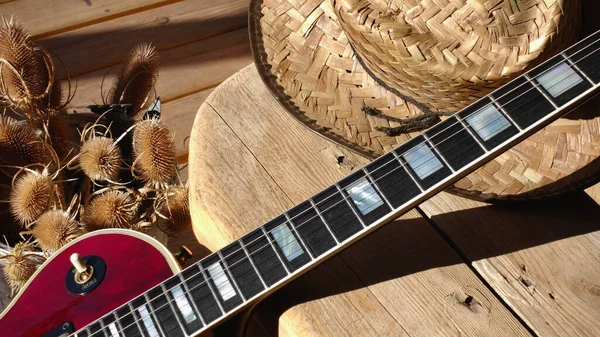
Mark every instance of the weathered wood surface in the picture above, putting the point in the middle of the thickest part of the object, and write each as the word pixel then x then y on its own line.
pixel 201 43
pixel 44 18
pixel 250 161
pixel 542 258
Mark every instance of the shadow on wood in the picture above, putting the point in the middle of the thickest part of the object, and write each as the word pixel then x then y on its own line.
pixel 405 247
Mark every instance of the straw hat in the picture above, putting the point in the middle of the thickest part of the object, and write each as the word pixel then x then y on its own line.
pixel 355 70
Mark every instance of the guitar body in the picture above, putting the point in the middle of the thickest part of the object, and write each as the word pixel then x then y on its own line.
pixel 134 263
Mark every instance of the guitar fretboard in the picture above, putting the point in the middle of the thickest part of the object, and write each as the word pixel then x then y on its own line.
pixel 303 237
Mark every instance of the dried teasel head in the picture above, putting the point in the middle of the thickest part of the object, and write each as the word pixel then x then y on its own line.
pixel 174 207
pixel 100 159
pixel 31 196
pixel 154 152
pixel 20 144
pixel 54 229
pixel 25 70
pixel 21 263
pixel 137 77
pixel 111 209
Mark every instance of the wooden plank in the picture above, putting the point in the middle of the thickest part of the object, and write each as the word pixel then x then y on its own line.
pixel 540 257
pixel 594 192
pixel 249 160
pixel 184 70
pixel 44 18
pixel 178 116
pixel 107 43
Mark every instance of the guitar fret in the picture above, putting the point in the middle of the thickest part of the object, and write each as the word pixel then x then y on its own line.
pixel 466 127
pixel 439 155
pixel 137 321
pixel 371 182
pixel 152 316
pixel 541 91
pixel 312 203
pixel 242 269
pixel 275 250
pixel 252 263
pixel 102 328
pixel 118 323
pixel 202 294
pixel 228 272
pixel 500 109
pixel 407 171
pixel 293 228
pixel 337 186
pixel 574 65
pixel 193 303
pixel 173 309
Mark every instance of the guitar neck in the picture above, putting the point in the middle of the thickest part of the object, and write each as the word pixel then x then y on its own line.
pixel 301 238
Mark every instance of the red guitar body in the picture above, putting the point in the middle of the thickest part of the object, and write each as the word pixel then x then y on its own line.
pixel 134 263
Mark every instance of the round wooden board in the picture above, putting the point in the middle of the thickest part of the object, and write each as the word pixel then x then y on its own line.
pixel 250 161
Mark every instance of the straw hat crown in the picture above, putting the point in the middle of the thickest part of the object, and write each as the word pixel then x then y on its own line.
pixel 447 53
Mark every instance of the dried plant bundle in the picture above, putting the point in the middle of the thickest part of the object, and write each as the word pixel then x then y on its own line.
pixel 54 229
pixel 20 144
pixel 21 263
pixel 175 208
pixel 54 99
pixel 25 70
pixel 31 196
pixel 154 152
pixel 100 159
pixel 59 131
pixel 111 209
pixel 136 78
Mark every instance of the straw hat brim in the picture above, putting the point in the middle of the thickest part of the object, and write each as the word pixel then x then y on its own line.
pixel 305 59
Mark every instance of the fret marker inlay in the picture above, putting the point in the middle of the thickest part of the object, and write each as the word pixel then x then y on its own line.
pixel 147 320
pixel 364 196
pixel 287 242
pixel 224 287
pixel 488 122
pixel 182 303
pixel 559 79
pixel 423 161
pixel 112 328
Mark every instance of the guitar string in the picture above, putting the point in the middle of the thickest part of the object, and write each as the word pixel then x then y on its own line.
pixel 535 86
pixel 250 269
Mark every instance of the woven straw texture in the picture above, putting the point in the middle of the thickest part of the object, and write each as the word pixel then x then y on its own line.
pixel 306 58
pixel 447 54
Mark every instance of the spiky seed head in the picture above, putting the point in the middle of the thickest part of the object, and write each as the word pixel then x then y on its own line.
pixel 54 229
pixel 31 196
pixel 111 209
pixel 137 77
pixel 20 144
pixel 154 152
pixel 21 263
pixel 30 77
pixel 100 159
pixel 176 207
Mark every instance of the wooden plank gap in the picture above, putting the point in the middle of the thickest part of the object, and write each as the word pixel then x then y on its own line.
pixel 469 263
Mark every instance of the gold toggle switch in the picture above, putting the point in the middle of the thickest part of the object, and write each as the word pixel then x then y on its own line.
pixel 83 272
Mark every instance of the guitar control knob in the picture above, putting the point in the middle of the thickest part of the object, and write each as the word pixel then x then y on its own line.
pixel 83 272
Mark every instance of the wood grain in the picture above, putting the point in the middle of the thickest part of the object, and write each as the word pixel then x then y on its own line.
pixel 540 257
pixel 104 44
pixel 249 161
pixel 594 192
pixel 184 70
pixel 44 18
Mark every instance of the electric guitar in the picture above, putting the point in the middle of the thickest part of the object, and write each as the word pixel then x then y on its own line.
pixel 123 283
